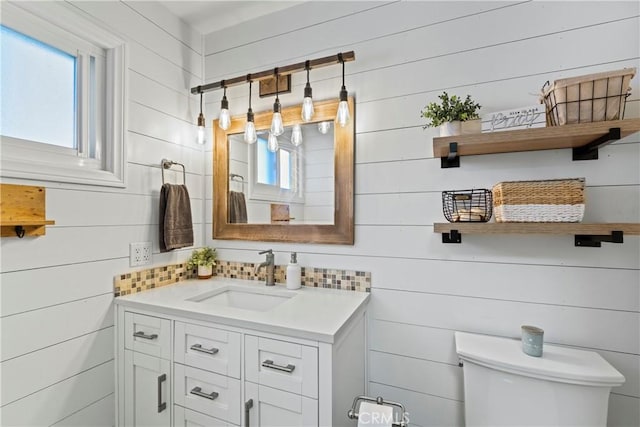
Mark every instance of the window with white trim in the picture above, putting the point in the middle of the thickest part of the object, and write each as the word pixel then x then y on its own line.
pixel 63 93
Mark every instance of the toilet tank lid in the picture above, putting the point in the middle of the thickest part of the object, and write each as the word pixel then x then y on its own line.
pixel 560 364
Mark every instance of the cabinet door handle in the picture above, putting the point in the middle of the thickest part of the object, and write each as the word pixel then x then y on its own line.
pixel 198 347
pixel 141 334
pixel 198 392
pixel 247 412
pixel 161 405
pixel 269 364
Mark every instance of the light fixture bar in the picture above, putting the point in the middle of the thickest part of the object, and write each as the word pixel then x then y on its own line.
pixel 283 71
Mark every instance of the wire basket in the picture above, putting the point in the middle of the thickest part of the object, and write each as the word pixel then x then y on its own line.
pixel 589 98
pixel 474 205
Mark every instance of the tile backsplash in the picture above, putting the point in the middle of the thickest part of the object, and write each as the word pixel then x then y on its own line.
pixel 140 281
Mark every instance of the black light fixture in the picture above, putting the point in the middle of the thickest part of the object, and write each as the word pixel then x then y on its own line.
pixel 224 121
pixel 201 139
pixel 250 135
pixel 342 117
pixel 277 127
pixel 307 102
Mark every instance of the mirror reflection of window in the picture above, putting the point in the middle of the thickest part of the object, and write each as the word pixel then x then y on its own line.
pixel 266 167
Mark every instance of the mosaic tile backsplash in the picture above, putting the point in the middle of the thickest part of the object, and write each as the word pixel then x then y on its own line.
pixel 140 281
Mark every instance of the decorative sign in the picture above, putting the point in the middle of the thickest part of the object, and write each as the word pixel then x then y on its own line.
pixel 519 118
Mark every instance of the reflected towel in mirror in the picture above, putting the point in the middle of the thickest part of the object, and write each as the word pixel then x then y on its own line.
pixel 176 226
pixel 237 208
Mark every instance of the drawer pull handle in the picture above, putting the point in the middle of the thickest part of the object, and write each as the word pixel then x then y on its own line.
pixel 141 334
pixel 247 412
pixel 269 364
pixel 161 405
pixel 198 347
pixel 198 392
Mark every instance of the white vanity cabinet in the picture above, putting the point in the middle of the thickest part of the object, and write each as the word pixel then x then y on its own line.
pixel 174 369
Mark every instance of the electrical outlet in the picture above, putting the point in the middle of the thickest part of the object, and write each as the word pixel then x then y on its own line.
pixel 139 253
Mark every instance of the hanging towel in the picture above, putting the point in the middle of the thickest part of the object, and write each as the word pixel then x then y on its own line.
pixel 237 208
pixel 176 228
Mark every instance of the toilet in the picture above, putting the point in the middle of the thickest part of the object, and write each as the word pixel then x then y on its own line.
pixel 505 387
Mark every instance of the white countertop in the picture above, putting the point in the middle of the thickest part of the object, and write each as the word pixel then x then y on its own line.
pixel 312 313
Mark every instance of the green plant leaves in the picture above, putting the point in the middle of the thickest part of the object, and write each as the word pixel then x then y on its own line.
pixel 450 109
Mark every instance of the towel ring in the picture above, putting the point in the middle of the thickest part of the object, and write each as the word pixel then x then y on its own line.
pixel 353 415
pixel 232 177
pixel 166 164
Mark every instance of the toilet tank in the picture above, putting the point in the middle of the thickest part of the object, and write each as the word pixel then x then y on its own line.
pixel 505 387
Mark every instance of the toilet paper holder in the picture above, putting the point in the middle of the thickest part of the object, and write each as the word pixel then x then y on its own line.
pixel 353 415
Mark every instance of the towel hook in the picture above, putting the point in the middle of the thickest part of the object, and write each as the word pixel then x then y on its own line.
pixel 166 164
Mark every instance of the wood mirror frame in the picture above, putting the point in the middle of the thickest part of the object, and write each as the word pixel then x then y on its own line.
pixel 340 232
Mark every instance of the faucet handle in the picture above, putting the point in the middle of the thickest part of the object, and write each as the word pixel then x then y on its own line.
pixel 268 251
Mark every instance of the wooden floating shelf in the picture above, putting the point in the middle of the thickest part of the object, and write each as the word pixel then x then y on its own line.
pixel 22 210
pixel 585 234
pixel 577 136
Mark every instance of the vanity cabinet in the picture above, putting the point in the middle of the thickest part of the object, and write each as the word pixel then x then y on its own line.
pixel 180 371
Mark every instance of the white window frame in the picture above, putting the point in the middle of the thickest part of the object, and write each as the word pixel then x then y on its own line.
pixel 270 193
pixel 60 25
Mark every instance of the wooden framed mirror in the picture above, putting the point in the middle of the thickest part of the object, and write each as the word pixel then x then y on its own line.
pixel 295 193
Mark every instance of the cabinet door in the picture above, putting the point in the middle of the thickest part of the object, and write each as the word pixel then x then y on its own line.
pixel 187 418
pixel 268 407
pixel 147 385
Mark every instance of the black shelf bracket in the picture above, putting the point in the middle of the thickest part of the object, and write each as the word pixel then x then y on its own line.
pixel 19 231
pixel 590 150
pixel 452 160
pixel 594 241
pixel 452 237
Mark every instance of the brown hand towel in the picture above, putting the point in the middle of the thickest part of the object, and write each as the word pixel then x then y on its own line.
pixel 176 227
pixel 237 208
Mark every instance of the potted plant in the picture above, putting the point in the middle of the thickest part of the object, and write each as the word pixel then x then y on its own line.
pixel 204 259
pixel 449 113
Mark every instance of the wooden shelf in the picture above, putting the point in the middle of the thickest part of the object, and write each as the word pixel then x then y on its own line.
pixel 22 210
pixel 585 234
pixel 577 136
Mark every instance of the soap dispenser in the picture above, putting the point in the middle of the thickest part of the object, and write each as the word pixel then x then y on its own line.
pixel 293 273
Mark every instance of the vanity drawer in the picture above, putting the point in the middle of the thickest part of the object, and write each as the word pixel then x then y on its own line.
pixel 207 348
pixel 212 394
pixel 187 418
pixel 282 365
pixel 147 334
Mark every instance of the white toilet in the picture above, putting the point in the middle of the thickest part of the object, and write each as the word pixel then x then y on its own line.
pixel 505 387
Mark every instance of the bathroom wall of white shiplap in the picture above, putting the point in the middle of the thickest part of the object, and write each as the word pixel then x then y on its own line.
pixel 56 312
pixel 422 291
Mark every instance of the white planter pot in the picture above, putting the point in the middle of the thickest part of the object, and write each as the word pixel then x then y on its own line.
pixel 205 271
pixel 450 128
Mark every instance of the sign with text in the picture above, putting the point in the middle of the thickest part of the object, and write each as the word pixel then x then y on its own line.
pixel 519 118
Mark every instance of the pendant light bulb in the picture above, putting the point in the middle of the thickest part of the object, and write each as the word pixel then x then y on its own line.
pixel 250 135
pixel 307 102
pixel 272 143
pixel 343 116
pixel 201 135
pixel 277 128
pixel 224 121
pixel 296 135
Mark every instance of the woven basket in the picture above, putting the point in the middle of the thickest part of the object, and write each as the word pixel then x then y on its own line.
pixel 557 200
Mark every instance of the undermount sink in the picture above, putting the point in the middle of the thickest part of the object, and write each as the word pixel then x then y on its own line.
pixel 244 298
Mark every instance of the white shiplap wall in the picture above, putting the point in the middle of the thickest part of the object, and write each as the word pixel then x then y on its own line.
pixel 56 293
pixel 422 291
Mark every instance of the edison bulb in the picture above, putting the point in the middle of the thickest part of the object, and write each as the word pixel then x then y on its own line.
pixel 343 113
pixel 272 143
pixel 201 139
pixel 277 128
pixel 307 109
pixel 250 135
pixel 224 121
pixel 296 135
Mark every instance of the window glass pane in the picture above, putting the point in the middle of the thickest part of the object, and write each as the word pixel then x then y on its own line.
pixel 38 91
pixel 285 169
pixel 267 163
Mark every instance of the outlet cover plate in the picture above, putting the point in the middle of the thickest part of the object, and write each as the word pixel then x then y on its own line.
pixel 139 254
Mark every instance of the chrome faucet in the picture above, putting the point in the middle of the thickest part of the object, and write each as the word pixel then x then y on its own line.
pixel 270 265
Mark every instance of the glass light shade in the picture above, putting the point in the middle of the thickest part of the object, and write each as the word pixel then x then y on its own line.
pixel 250 135
pixel 323 127
pixel 307 109
pixel 224 121
pixel 296 135
pixel 343 114
pixel 201 139
pixel 272 143
pixel 277 127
